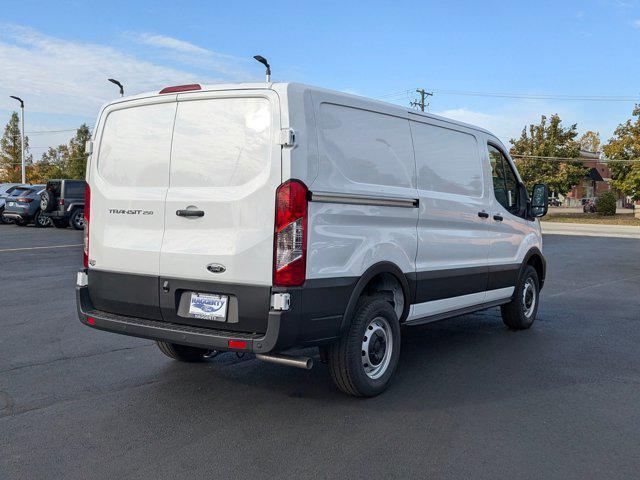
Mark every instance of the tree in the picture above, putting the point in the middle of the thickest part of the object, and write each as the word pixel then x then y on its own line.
pixel 590 141
pixel 549 139
pixel 625 145
pixel 53 164
pixel 10 151
pixel 77 164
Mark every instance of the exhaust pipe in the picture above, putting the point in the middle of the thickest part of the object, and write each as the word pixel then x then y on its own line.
pixel 299 362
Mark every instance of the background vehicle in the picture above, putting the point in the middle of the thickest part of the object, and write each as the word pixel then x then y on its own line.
pixel 5 190
pixel 63 202
pixel 263 217
pixel 23 206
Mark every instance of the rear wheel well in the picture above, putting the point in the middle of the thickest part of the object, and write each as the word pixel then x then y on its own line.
pixel 388 287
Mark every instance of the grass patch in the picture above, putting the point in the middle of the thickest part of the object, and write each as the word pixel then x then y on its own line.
pixel 592 218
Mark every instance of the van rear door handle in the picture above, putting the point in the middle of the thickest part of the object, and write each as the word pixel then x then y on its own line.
pixel 190 213
pixel 483 214
pixel 498 218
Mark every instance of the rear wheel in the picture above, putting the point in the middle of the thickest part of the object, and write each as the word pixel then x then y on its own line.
pixel 77 220
pixel 182 352
pixel 364 360
pixel 40 220
pixel 520 313
pixel 20 222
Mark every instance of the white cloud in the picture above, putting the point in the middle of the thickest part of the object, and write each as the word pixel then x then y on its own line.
pixel 507 121
pixel 66 77
pixel 163 41
pixel 636 23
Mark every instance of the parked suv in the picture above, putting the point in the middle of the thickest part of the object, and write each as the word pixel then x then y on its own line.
pixel 5 191
pixel 263 217
pixel 23 206
pixel 63 202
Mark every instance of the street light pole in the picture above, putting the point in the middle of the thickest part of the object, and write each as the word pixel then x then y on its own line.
pixel 24 173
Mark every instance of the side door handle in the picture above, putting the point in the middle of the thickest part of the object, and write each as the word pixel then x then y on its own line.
pixel 498 218
pixel 483 214
pixel 190 213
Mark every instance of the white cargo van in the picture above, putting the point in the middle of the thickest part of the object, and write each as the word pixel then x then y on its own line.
pixel 263 217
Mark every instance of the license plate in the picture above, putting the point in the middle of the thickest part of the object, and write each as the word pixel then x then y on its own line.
pixel 208 306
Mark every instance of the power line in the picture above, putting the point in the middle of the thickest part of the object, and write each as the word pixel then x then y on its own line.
pixel 577 159
pixel 524 96
pixel 42 132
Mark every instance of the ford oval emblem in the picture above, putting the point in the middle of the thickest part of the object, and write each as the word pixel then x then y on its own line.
pixel 216 268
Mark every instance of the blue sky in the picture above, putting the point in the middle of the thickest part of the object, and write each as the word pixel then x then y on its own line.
pixel 57 55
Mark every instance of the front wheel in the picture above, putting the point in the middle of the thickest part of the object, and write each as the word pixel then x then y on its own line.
pixel 77 220
pixel 363 361
pixel 520 313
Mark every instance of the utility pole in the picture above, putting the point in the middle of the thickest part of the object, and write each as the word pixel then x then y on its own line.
pixel 24 173
pixel 423 95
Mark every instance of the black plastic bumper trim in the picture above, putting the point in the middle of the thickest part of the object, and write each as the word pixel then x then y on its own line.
pixel 174 333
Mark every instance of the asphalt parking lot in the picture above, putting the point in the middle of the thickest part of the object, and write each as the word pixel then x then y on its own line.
pixel 470 400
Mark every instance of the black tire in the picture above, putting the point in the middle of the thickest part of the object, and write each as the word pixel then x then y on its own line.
pixel 20 222
pixel 182 352
pixel 77 219
pixel 63 223
pixel 347 359
pixel 4 220
pixel 40 220
pixel 520 313
pixel 47 201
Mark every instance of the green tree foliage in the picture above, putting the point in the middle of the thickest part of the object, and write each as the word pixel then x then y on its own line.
pixel 63 161
pixel 10 151
pixel 77 159
pixel 625 145
pixel 549 139
pixel 606 203
pixel 590 141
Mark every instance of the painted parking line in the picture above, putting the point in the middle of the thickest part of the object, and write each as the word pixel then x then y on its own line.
pixel 39 248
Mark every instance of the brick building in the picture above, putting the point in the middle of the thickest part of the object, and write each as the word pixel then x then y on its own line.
pixel 595 182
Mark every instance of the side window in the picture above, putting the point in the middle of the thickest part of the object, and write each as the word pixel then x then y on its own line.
pixel 505 182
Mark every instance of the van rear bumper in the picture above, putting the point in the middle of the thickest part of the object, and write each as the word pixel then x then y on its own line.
pixel 208 338
pixel 314 318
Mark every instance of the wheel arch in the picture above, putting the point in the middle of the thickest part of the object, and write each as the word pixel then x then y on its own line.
pixel 369 277
pixel 535 258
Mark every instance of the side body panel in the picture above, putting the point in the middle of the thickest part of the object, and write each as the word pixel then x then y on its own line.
pixel 453 242
pixel 366 151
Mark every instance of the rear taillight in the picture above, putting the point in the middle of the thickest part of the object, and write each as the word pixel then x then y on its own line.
pixel 61 201
pixel 87 215
pixel 24 200
pixel 290 243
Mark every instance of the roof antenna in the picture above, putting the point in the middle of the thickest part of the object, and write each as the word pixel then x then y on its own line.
pixel 116 82
pixel 263 61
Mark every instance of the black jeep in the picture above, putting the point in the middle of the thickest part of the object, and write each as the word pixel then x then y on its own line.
pixel 63 202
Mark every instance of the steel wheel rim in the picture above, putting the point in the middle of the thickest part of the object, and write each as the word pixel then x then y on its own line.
pixel 377 347
pixel 42 220
pixel 80 220
pixel 529 297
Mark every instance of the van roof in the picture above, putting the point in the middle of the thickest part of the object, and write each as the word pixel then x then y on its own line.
pixel 289 86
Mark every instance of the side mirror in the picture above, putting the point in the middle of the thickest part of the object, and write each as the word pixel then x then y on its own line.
pixel 88 147
pixel 539 200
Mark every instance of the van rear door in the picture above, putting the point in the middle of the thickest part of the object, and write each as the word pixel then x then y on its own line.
pixel 219 213
pixel 129 178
